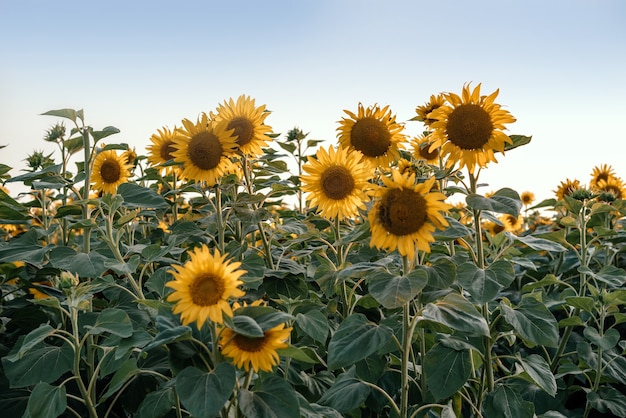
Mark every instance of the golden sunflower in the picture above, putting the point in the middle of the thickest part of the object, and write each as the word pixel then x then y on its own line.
pixel 204 148
pixel 527 198
pixel 203 287
pixel 374 132
pixel 512 223
pixel 109 171
pixel 247 123
pixel 255 353
pixel 337 182
pixel 435 102
pixel 162 148
pixel 613 185
pixel 406 214
pixel 469 129
pixel 566 188
pixel 600 173
pixel 422 150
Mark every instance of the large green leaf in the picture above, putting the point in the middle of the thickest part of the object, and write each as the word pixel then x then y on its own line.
pixel 614 277
pixel 608 399
pixel 503 201
pixel 47 401
pixel 540 244
pixel 533 322
pixel 538 371
pixel 44 363
pixel 313 323
pixel 506 402
pixel 156 404
pixel 347 393
pixel 442 273
pixel 112 320
pixel 85 265
pixel 273 397
pixel 517 141
pixel 394 291
pixel 456 313
pixel 32 339
pixel 606 341
pixel 125 371
pixel 485 284
pixel 26 248
pixel 446 370
pixel 70 114
pixel 205 393
pixel 136 196
pixel 355 339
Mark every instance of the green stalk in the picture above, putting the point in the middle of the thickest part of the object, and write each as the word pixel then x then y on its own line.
pixel 85 205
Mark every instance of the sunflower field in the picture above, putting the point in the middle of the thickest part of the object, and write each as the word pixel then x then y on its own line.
pixel 231 271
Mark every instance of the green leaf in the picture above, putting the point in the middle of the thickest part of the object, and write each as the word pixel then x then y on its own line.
pixel 538 370
pixel 606 341
pixel 297 354
pixel 506 402
pixel 156 404
pixel 608 399
pixel 85 265
pixel 126 370
pixel 442 273
pixel 446 370
pixel 584 303
pixel 112 320
pixel 136 196
pixel 313 323
pixel 454 230
pixel 273 397
pixel 503 201
pixel 533 322
pixel 106 131
pixel 62 113
pixel 485 284
pixel 45 363
pixel 347 393
pixel 457 313
pixel 613 276
pixel 171 335
pixel 47 401
pixel 394 291
pixel 31 340
pixel 205 393
pixel 539 244
pixel 25 248
pixel 246 326
pixel 517 141
pixel 355 339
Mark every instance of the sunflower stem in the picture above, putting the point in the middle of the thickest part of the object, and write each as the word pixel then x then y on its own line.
pixel 85 197
pixel 408 327
pixel 219 218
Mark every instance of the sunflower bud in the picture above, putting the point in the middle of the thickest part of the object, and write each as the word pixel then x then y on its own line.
pixel 68 280
pixel 56 133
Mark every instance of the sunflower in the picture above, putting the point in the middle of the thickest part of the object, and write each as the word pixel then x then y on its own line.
pixel 204 148
pixel 337 182
pixel 512 223
pixel 374 132
pixel 406 214
pixel 109 171
pixel 566 188
pixel 435 102
pixel 469 129
pixel 255 353
pixel 203 287
pixel 613 185
pixel 527 198
pixel 600 173
pixel 247 123
pixel 422 151
pixel 162 148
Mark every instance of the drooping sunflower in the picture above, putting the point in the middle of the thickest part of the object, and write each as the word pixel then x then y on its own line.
pixel 336 181
pixel 205 148
pixel 600 173
pixel 255 353
pixel 422 150
pixel 109 171
pixel 423 112
pixel 162 148
pixel 374 132
pixel 406 214
pixel 204 285
pixel 527 198
pixel 247 122
pixel 468 130
pixel 566 188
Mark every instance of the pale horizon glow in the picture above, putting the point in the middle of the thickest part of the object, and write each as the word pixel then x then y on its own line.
pixel 141 66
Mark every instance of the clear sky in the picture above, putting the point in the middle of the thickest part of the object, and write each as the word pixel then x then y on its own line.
pixel 560 66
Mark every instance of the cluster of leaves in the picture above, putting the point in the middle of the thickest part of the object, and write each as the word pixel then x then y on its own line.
pixel 517 325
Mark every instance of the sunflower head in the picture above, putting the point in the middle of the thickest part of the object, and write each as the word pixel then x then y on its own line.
pixel 406 214
pixel 469 129
pixel 566 188
pixel 527 198
pixel 246 123
pixel 423 112
pixel 613 186
pixel 374 132
pixel 512 223
pixel 258 354
pixel 601 173
pixel 337 182
pixel 162 148
pixel 422 150
pixel 204 285
pixel 204 148
pixel 109 171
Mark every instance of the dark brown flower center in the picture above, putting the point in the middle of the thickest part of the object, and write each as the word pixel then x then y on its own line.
pixel 469 127
pixel 337 182
pixel 402 211
pixel 167 149
pixel 248 344
pixel 110 171
pixel 206 290
pixel 244 130
pixel 205 150
pixel 370 136
pixel 426 154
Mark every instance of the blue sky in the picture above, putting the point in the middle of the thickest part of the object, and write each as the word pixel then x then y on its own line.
pixel 560 66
